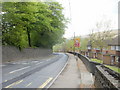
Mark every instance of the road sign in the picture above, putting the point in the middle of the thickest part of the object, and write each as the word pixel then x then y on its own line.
pixel 77 42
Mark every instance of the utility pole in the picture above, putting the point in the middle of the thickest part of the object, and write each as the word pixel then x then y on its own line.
pixel 74 42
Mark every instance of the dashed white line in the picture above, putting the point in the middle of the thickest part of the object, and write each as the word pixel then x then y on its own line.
pixel 19 69
pixel 47 60
pixel 2 65
pixel 38 63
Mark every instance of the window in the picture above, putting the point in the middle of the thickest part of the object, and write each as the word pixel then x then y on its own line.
pixel 113 48
pixel 117 48
pixel 116 59
pixel 89 47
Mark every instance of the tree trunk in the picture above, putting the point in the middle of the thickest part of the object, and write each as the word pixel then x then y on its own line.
pixel 29 39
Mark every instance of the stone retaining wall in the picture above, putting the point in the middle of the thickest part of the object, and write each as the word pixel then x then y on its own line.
pixel 12 53
pixel 90 65
pixel 104 77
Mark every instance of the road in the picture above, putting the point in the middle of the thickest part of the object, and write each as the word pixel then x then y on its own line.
pixel 32 74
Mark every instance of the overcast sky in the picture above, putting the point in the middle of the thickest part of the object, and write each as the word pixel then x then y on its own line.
pixel 85 14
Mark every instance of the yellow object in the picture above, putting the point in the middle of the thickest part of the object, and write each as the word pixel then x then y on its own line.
pixel 77 39
pixel 44 84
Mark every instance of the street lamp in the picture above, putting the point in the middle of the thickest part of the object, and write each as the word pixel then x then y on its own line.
pixel 89 47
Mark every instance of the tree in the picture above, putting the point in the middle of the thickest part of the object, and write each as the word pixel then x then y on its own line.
pixel 32 24
pixel 55 24
pixel 102 35
pixel 83 43
pixel 12 30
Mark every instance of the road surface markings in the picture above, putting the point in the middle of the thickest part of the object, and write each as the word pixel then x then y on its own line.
pixel 48 60
pixel 39 63
pixel 29 84
pixel 19 69
pixel 15 83
pixel 44 84
pixel 5 80
pixel 2 65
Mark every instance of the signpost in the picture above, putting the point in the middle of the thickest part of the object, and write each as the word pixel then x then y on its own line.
pixel 77 44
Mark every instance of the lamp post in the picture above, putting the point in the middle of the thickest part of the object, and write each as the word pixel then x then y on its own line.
pixel 89 47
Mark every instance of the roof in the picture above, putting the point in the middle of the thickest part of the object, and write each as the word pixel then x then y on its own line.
pixel 115 41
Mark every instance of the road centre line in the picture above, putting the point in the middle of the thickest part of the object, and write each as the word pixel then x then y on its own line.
pixel 38 63
pixel 46 82
pixel 5 81
pixel 19 69
pixel 15 83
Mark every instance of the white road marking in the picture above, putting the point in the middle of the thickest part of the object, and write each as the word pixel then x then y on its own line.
pixel 2 65
pixel 5 81
pixel 38 63
pixel 47 60
pixel 19 69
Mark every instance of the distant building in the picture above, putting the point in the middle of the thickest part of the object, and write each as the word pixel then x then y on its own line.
pixel 115 50
pixel 109 55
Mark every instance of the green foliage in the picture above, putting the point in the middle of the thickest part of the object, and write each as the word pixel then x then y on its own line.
pixel 68 45
pixel 97 60
pixel 26 24
pixel 116 69
pixel 83 43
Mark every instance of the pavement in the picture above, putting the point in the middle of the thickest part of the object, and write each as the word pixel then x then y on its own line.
pixel 87 79
pixel 75 75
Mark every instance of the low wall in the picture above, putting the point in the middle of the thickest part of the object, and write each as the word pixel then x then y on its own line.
pixel 12 53
pixel 90 65
pixel 106 78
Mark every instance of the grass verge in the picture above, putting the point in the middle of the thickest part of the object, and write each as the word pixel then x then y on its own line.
pixel 116 69
pixel 97 60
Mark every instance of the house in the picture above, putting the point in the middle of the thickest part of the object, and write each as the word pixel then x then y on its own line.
pixel 93 52
pixel 109 56
pixel 114 52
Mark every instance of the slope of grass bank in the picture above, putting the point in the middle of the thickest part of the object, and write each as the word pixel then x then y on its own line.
pixel 116 69
pixel 97 60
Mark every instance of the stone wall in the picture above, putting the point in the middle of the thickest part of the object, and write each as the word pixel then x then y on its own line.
pixel 90 65
pixel 12 53
pixel 106 78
